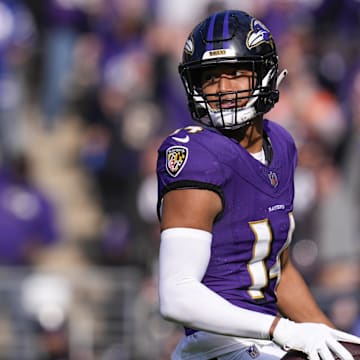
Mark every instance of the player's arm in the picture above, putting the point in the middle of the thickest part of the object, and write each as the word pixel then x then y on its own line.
pixel 309 329
pixel 192 208
pixel 295 300
pixel 187 218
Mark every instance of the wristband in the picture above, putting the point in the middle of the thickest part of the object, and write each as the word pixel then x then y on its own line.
pixel 273 326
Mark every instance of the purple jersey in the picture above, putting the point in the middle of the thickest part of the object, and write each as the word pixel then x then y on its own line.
pixel 256 223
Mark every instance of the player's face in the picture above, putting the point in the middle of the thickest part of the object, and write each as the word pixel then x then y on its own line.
pixel 227 86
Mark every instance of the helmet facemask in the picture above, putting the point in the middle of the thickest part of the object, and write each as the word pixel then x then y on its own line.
pixel 232 109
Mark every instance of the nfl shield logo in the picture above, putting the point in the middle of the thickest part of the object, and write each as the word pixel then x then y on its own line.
pixel 273 179
pixel 253 351
pixel 176 157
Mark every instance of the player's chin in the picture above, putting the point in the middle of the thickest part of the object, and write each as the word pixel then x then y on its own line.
pixel 353 348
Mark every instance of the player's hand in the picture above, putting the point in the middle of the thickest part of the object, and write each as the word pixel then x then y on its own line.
pixel 318 341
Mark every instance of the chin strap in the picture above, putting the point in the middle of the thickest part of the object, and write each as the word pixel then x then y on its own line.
pixel 281 77
pixel 265 83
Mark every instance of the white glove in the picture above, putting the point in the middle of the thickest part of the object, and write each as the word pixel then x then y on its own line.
pixel 315 340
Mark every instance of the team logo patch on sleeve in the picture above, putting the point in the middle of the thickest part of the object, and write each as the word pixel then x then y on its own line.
pixel 176 157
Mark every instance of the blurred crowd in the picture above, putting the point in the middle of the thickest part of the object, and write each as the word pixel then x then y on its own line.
pixel 112 65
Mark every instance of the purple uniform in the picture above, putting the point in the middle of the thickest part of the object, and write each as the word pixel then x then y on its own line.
pixel 256 222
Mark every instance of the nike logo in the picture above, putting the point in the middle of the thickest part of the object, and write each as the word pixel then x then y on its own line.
pixel 183 140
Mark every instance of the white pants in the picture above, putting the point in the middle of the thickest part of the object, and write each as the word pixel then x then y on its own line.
pixel 204 346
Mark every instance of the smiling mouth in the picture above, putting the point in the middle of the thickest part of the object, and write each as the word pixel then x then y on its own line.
pixel 224 105
pixel 228 104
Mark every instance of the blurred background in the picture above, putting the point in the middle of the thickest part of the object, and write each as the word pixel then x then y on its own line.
pixel 88 88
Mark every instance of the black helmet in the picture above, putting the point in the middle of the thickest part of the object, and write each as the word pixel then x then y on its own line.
pixel 233 38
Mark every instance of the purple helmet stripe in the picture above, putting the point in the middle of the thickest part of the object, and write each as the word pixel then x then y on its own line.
pixel 210 33
pixel 226 34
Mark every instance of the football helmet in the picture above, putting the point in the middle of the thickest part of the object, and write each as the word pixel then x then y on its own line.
pixel 231 38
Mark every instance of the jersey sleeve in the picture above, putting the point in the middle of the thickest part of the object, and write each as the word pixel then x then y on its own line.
pixel 187 161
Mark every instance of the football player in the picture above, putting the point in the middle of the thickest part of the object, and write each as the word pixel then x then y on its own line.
pixel 226 190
